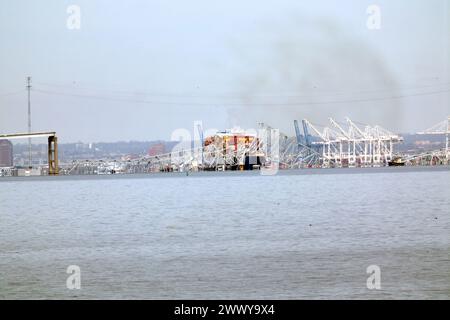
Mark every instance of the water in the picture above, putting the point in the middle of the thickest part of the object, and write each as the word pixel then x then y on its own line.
pixel 297 235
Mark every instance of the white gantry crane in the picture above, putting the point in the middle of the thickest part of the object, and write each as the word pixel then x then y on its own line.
pixel 350 146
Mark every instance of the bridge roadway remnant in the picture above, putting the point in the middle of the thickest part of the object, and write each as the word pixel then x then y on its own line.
pixel 52 151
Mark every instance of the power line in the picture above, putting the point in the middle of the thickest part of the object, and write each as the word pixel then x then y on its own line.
pixel 241 95
pixel 274 104
pixel 10 93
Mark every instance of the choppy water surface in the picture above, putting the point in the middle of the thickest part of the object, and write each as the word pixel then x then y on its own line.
pixel 228 235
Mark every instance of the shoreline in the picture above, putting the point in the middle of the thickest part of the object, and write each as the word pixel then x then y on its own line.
pixel 252 173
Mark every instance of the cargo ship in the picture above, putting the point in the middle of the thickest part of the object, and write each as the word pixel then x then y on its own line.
pixel 233 149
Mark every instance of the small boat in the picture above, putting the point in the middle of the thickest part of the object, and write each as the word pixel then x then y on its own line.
pixel 396 162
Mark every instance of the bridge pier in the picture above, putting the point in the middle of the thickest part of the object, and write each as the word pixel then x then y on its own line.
pixel 53 168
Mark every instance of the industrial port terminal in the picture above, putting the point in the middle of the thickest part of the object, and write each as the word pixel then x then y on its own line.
pixel 338 145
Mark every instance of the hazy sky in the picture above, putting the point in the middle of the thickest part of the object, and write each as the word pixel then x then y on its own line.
pixel 137 70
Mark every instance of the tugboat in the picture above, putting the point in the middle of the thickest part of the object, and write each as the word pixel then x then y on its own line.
pixel 397 162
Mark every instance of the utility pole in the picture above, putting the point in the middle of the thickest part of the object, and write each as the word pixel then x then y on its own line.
pixel 447 141
pixel 29 121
